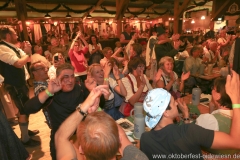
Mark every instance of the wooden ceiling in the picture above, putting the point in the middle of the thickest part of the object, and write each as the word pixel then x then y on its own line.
pixel 36 9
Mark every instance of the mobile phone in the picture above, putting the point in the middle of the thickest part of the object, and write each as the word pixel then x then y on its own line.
pixel 55 58
pixel 229 70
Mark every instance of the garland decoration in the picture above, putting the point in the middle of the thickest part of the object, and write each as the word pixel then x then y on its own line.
pixel 134 13
pixel 77 11
pixel 160 13
pixel 158 1
pixel 109 12
pixel 44 10
pixel 200 3
pixel 57 7
pixel 5 5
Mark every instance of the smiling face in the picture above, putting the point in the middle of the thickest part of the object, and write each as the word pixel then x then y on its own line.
pixel 94 40
pixel 98 74
pixel 67 80
pixel 139 70
pixel 167 67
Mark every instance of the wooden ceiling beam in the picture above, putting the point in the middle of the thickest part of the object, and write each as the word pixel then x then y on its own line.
pixel 221 10
pixel 152 6
pixel 121 6
pixel 91 10
pixel 183 7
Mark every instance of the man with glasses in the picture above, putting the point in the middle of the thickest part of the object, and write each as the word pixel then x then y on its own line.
pixel 60 101
pixel 12 67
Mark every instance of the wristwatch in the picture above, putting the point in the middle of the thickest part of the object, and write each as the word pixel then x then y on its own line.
pixel 84 114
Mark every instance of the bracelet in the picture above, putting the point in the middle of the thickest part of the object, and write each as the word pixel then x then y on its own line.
pixel 48 93
pixel 84 114
pixel 186 119
pixel 106 79
pixel 235 106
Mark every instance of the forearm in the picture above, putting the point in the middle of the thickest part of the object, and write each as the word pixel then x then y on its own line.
pixel 22 61
pixel 181 86
pixel 84 41
pixel 169 85
pixel 43 96
pixel 137 95
pixel 33 105
pixel 122 88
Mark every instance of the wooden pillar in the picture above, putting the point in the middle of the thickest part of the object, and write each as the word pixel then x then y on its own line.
pixel 20 6
pixel 176 18
pixel 119 28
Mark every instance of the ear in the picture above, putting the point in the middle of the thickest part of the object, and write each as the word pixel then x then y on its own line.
pixel 166 114
pixel 80 150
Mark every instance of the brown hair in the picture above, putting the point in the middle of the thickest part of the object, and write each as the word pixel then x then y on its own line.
pixel 134 62
pixel 4 31
pixel 98 136
pixel 63 67
pixel 137 48
pixel 225 100
pixel 90 68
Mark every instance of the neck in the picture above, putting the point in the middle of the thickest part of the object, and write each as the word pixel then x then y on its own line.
pixel 163 123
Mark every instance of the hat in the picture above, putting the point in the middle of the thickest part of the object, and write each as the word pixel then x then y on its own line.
pixel 160 31
pixel 155 103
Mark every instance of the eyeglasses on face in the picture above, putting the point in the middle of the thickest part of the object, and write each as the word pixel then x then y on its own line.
pixel 141 66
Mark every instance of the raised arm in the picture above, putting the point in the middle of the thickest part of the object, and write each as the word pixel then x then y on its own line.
pixel 74 40
pixel 231 140
pixel 120 88
pixel 65 149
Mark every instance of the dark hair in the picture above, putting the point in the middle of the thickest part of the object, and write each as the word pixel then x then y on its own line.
pixel 195 48
pixel 4 31
pixel 63 67
pixel 90 39
pixel 137 48
pixel 134 62
pixel 225 100
pixel 126 26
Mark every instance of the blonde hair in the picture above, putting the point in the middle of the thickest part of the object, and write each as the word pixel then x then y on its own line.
pixel 165 59
pixel 98 136
pixel 90 68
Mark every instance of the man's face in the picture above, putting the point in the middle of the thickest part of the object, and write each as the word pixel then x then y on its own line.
pixel 162 36
pixel 13 36
pixel 128 28
pixel 67 80
pixel 40 72
pixel 173 112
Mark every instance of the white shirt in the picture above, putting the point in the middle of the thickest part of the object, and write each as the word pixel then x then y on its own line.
pixel 8 56
pixel 208 121
pixel 91 47
pixel 128 86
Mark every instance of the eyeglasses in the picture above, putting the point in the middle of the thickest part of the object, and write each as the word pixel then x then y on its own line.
pixel 141 66
pixel 43 68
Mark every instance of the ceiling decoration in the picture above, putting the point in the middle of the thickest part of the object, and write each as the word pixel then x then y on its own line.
pixel 161 13
pixel 57 7
pixel 200 3
pixel 5 5
pixel 109 12
pixel 136 13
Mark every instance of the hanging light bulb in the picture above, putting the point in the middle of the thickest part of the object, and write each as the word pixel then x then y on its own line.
pixel 192 21
pixel 68 15
pixel 47 16
pixel 203 17
pixel 89 16
pixel 135 17
pixel 148 17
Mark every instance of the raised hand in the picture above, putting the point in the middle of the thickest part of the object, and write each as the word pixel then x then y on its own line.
pixel 143 80
pixel 158 75
pixel 107 68
pixel 183 107
pixel 185 76
pixel 116 71
pixel 232 87
pixel 175 37
pixel 54 85
pixel 92 101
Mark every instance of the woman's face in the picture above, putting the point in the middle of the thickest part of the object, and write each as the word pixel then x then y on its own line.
pixel 215 95
pixel 76 46
pixel 98 73
pixel 94 40
pixel 167 67
pixel 139 70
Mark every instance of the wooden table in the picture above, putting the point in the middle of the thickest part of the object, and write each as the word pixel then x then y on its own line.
pixel 215 74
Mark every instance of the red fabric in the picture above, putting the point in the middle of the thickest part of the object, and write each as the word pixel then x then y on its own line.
pixel 78 60
pixel 127 109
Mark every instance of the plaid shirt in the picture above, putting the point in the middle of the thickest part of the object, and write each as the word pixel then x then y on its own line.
pixel 39 87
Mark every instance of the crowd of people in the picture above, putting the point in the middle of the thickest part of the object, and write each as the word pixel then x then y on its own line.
pixel 84 96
